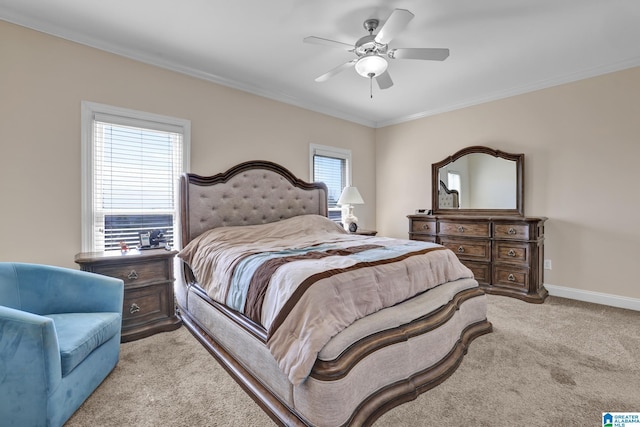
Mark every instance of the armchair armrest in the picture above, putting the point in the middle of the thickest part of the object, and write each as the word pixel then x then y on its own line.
pixel 48 289
pixel 29 356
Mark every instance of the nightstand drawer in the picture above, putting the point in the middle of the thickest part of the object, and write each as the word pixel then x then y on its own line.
pixel 145 305
pixel 478 250
pixel 136 272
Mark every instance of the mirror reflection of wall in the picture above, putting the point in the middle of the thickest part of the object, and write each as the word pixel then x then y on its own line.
pixel 486 182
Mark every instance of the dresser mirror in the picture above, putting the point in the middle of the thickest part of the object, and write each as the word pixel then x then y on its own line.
pixel 478 180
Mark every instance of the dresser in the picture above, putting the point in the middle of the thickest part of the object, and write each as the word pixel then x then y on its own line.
pixel 149 305
pixel 505 253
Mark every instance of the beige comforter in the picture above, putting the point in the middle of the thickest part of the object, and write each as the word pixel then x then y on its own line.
pixel 320 279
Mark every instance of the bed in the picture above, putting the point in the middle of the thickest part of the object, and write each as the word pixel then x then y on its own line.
pixel 319 326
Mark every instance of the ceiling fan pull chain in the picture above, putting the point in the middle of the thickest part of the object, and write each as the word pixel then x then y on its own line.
pixel 371 85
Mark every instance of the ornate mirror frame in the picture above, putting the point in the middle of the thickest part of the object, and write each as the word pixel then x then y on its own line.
pixel 435 183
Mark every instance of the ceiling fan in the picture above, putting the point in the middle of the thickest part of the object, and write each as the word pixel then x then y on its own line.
pixel 372 50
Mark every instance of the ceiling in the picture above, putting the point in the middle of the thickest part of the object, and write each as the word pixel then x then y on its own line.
pixel 498 48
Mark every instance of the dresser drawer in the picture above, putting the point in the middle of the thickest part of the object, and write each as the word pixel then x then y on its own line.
pixel 511 231
pixel 511 252
pixel 145 305
pixel 423 226
pixel 422 237
pixel 504 275
pixel 136 272
pixel 481 271
pixel 479 250
pixel 467 229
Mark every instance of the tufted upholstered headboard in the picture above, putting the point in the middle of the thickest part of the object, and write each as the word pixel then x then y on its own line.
pixel 254 192
pixel 448 198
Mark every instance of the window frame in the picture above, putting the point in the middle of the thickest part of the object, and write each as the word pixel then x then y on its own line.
pixel 127 117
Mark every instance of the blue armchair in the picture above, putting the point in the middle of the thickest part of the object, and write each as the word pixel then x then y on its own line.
pixel 59 339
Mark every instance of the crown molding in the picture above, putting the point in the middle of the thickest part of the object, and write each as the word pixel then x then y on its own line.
pixel 136 55
pixel 520 90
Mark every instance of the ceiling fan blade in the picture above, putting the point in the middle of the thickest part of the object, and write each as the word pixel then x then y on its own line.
pixel 433 54
pixel 384 80
pixel 326 76
pixel 397 21
pixel 327 42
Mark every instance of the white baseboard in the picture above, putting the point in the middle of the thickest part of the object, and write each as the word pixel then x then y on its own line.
pixel 595 297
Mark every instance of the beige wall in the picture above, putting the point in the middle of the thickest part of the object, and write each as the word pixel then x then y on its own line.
pixel 43 80
pixel 581 145
pixel 582 149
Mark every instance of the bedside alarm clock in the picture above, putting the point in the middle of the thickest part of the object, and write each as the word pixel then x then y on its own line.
pixel 353 227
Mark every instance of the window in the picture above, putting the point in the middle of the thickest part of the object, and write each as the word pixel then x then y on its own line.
pixel 333 167
pixel 131 164
pixel 453 182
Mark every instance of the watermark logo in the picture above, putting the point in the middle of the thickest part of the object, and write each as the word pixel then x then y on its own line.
pixel 621 419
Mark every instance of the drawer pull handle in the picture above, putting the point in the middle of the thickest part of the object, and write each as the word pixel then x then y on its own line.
pixel 511 252
pixel 511 277
pixel 133 275
pixel 512 230
pixel 425 226
pixel 134 308
pixel 460 249
pixel 460 229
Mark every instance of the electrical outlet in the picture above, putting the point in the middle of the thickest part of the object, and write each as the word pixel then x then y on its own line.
pixel 547 264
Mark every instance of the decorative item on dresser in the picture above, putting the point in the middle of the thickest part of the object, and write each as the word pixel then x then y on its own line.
pixel 149 305
pixel 488 231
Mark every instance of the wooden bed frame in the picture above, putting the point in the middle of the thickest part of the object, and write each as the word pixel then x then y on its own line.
pixel 252 193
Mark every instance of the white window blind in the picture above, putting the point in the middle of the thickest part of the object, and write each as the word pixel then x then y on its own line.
pixel 331 171
pixel 331 166
pixel 134 169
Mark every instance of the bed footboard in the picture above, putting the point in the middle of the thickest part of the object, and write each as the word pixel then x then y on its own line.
pixel 341 392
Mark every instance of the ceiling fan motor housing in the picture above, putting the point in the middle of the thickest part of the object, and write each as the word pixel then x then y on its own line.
pixel 367 45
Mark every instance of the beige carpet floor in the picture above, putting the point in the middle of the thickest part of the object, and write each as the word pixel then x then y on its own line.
pixel 561 363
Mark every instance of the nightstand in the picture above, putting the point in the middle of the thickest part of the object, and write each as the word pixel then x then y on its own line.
pixel 149 305
pixel 364 232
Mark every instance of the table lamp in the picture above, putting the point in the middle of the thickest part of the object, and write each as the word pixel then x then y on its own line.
pixel 350 196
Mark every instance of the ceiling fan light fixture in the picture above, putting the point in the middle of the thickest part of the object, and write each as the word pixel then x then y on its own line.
pixel 371 65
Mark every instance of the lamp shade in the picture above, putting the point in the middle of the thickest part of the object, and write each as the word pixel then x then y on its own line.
pixel 350 196
pixel 371 65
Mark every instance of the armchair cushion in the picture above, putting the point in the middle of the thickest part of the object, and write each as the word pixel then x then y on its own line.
pixel 81 333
